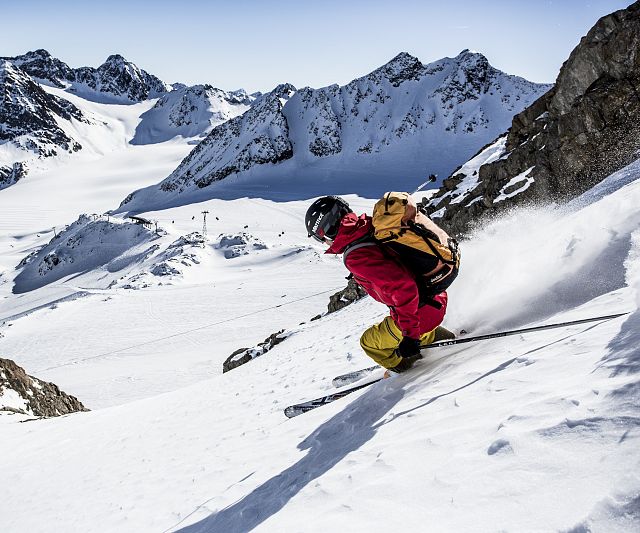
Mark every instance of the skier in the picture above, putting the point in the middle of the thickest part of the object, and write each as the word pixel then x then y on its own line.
pixel 414 319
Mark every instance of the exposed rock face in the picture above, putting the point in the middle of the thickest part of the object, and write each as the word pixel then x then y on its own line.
pixel 11 174
pixel 116 77
pixel 585 128
pixel 25 394
pixel 244 355
pixel 351 293
pixel 29 119
pixel 40 64
pixel 119 77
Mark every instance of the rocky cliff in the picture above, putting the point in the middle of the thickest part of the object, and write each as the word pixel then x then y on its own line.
pixel 582 130
pixel 119 78
pixel 22 393
pixel 30 120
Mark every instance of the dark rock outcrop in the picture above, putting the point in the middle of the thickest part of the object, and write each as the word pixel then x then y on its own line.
pixel 582 130
pixel 11 174
pixel 351 293
pixel 42 65
pixel 119 77
pixel 29 119
pixel 22 393
pixel 116 77
pixel 244 355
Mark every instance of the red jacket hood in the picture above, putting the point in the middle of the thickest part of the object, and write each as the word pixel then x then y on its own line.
pixel 352 227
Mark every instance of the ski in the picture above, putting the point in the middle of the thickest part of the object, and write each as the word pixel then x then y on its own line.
pixel 303 407
pixel 350 377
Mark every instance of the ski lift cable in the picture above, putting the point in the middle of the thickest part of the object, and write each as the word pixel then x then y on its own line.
pixel 186 332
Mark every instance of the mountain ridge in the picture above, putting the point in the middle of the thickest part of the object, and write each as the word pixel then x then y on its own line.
pixel 403 112
pixel 116 80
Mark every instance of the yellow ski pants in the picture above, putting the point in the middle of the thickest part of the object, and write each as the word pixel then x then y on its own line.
pixel 380 342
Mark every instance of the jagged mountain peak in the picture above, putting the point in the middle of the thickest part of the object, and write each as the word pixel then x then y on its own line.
pixel 240 96
pixel 471 60
pixel 467 54
pixel 116 58
pixel 116 80
pixel 42 65
pixel 119 63
pixel 401 68
pixel 401 60
pixel 284 90
pixel 119 79
pixel 40 52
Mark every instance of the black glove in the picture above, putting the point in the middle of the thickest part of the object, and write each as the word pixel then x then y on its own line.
pixel 405 363
pixel 409 352
pixel 408 347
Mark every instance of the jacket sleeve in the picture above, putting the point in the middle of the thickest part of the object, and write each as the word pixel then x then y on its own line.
pixel 391 283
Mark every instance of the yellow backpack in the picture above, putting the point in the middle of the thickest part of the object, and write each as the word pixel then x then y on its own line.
pixel 419 243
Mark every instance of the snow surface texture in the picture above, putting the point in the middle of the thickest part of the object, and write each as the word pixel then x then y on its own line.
pixel 396 125
pixel 532 433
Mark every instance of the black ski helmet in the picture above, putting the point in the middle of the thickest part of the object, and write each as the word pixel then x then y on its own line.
pixel 324 215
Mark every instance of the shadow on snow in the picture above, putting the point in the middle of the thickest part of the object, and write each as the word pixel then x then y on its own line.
pixel 329 444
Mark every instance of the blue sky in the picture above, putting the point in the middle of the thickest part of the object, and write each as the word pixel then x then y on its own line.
pixel 257 44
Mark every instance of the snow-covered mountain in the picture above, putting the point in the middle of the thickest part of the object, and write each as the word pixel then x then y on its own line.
pixel 398 124
pixel 190 112
pixel 259 136
pixel 41 65
pixel 115 81
pixel 120 78
pixel 50 109
pixel 31 123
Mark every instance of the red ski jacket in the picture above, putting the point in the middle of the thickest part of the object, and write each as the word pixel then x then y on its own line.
pixel 386 280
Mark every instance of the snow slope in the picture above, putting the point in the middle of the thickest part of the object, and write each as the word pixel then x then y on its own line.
pixel 531 433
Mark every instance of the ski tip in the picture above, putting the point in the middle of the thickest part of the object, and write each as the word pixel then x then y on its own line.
pixel 292 411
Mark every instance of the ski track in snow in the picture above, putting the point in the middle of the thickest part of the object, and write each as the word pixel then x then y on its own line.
pixel 537 432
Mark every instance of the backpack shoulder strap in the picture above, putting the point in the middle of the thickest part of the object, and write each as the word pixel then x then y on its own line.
pixel 367 240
